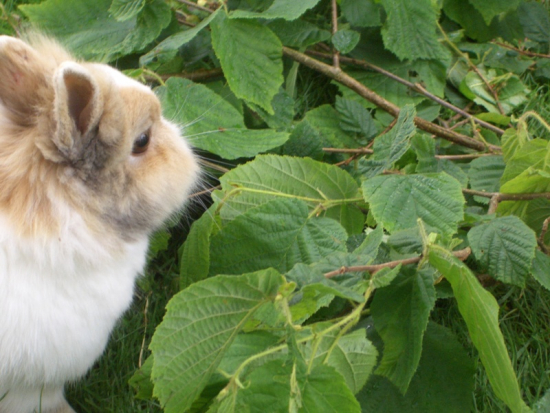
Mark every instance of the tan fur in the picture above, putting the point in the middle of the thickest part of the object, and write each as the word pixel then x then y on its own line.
pixel 50 156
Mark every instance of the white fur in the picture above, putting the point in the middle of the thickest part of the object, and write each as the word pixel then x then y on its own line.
pixel 59 300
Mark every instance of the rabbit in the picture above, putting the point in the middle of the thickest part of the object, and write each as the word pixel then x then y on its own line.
pixel 89 168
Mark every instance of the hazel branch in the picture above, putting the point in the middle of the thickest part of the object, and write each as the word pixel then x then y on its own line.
pixel 343 78
pixel 413 86
pixel 460 254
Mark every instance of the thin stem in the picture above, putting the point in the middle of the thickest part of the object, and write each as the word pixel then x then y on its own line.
pixel 520 51
pixel 362 90
pixel 335 53
pixel 346 150
pixel 493 204
pixel 465 156
pixel 460 254
pixel 508 197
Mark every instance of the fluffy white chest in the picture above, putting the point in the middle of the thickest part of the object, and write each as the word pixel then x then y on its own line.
pixel 58 303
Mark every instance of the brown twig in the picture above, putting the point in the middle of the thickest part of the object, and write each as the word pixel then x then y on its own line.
pixel 414 86
pixel 523 52
pixel 493 204
pixel 362 90
pixel 335 53
pixel 460 254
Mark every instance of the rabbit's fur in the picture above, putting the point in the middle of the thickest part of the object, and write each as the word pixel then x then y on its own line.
pixel 77 204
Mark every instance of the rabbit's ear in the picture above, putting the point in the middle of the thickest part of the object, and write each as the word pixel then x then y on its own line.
pixel 78 108
pixel 22 78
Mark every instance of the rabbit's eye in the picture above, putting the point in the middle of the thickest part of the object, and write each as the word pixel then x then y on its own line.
pixel 141 144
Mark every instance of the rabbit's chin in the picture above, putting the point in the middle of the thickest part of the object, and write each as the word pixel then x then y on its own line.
pixel 59 300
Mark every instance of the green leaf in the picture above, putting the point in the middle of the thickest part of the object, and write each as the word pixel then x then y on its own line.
pixel 465 14
pixel 385 276
pixel 355 118
pixel 251 58
pixel 410 29
pixel 168 48
pixel 541 269
pixel 125 9
pixel 200 324
pixel 529 181
pixel 485 174
pixel 325 391
pixel 141 381
pixel 444 380
pixel 397 201
pixel 245 346
pixel 326 121
pixel 512 93
pixel 266 389
pixel 535 21
pixel 89 30
pixel 531 154
pixel 304 141
pixel 284 176
pixel 277 234
pixel 298 33
pixel 480 312
pixel 213 124
pixel 513 140
pixel 490 8
pixel 279 9
pixel 361 13
pixel 424 146
pixel 345 40
pixel 195 255
pixel 283 106
pixel 353 356
pixel 506 246
pixel 390 147
pixel 401 315
pixel 536 213
pixel 543 404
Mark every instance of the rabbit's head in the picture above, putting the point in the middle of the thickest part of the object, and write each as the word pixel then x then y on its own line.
pixel 82 138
